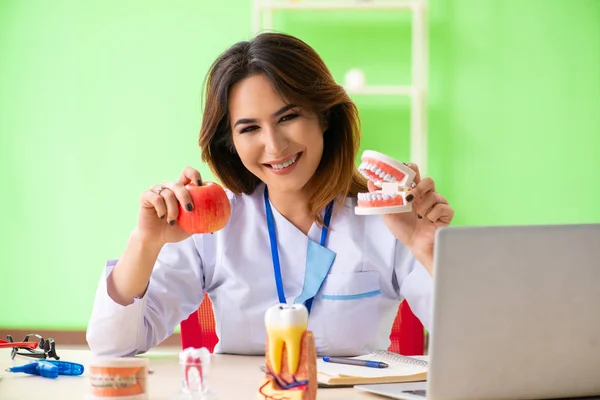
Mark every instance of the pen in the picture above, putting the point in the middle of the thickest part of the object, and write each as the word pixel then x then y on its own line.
pixel 353 361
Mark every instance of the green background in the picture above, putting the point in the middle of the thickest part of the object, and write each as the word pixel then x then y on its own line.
pixel 100 100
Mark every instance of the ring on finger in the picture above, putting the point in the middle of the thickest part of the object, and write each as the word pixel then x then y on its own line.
pixel 159 189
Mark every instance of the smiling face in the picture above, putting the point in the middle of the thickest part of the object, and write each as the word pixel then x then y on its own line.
pixel 277 141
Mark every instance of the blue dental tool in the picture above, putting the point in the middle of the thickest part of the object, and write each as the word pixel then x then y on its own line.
pixel 49 368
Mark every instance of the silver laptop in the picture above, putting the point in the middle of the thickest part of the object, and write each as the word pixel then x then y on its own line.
pixel 516 315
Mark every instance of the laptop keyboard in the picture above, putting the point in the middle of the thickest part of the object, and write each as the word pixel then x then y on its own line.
pixel 416 392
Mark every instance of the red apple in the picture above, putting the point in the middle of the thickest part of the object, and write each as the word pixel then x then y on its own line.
pixel 211 209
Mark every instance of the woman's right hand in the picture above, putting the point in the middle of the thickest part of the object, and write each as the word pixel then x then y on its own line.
pixel 159 209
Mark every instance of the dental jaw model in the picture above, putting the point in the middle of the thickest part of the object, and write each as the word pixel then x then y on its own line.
pixel 392 178
pixel 291 357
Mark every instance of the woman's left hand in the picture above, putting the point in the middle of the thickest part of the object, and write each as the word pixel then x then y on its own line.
pixel 416 229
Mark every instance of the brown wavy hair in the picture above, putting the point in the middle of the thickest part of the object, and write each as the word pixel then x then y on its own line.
pixel 298 74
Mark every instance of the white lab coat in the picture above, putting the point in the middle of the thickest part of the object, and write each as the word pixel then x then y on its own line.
pixel 352 313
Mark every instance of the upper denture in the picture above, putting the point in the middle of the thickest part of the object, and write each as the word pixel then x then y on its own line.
pixel 376 170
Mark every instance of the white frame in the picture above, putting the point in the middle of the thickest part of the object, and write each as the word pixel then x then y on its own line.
pixel 262 19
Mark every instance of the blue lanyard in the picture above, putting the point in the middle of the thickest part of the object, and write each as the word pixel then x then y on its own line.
pixel 275 252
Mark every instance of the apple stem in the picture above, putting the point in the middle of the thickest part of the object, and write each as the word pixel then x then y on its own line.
pixel 199 182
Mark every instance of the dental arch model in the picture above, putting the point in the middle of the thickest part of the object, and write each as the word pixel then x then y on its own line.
pixel 290 357
pixel 393 179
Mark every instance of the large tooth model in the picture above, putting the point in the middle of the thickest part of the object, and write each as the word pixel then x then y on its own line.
pixel 290 357
pixel 391 177
pixel 285 325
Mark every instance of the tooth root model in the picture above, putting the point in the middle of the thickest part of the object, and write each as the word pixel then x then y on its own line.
pixel 290 357
pixel 393 179
pixel 194 364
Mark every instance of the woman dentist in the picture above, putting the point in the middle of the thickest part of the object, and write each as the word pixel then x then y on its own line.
pixel 282 137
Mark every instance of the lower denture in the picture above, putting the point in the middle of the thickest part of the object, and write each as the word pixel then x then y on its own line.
pixel 397 200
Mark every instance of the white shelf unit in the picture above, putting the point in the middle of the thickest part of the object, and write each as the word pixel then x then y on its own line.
pixel 262 20
pixel 382 90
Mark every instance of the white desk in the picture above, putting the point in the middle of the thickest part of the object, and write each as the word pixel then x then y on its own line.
pixel 232 377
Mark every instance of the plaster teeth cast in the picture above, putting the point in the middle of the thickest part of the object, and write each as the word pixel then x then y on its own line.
pixel 393 177
pixel 285 324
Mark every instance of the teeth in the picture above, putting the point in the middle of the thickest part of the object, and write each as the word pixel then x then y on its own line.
pixel 285 164
pixel 377 196
pixel 384 176
pixel 285 324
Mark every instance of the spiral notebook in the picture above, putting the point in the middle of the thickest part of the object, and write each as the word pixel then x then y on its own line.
pixel 401 369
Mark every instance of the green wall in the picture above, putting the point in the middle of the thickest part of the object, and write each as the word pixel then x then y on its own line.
pixel 99 100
